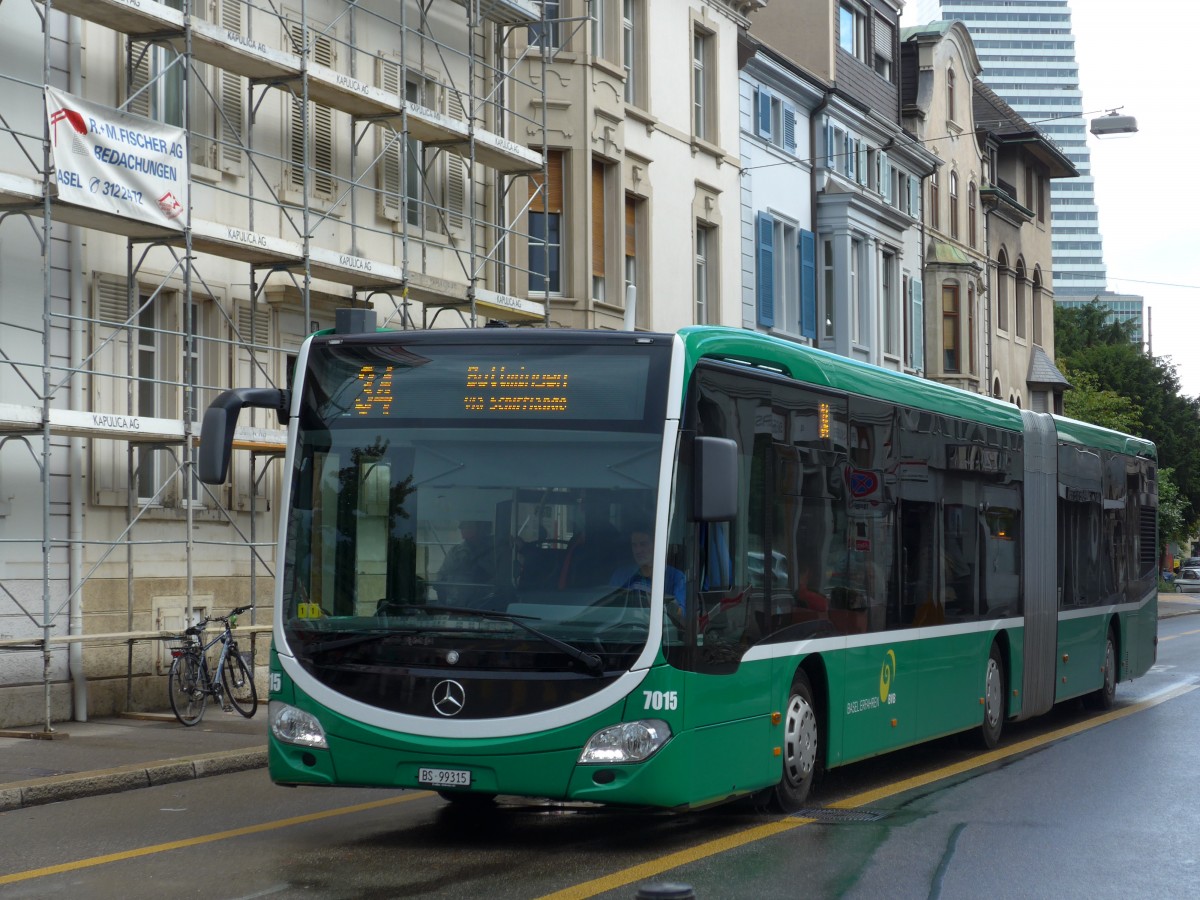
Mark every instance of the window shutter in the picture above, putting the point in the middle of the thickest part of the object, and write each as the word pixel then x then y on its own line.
pixel 918 325
pixel 862 162
pixel 789 129
pixel 766 270
pixel 762 113
pixel 139 77
pixel 231 100
pixel 885 177
pixel 319 124
pixel 808 284
pixel 456 170
pixel 551 200
pixel 830 150
pixel 914 196
pixel 109 365
pixel 252 337
pixel 390 171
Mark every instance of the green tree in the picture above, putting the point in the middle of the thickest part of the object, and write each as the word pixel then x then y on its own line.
pixel 1089 402
pixel 1172 524
pixel 1104 362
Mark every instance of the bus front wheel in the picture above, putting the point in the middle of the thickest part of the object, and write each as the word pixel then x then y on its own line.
pixel 993 700
pixel 801 748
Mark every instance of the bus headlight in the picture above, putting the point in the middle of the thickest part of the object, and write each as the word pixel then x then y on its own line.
pixel 295 726
pixel 626 743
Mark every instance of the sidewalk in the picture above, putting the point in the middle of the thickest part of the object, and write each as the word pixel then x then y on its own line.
pixel 105 756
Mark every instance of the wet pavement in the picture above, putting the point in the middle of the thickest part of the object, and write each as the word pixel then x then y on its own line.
pixel 83 759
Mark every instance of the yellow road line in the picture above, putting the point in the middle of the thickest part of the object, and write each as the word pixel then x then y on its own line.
pixel 1172 637
pixel 206 839
pixel 662 864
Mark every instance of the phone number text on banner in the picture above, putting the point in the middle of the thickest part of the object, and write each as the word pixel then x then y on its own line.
pixel 118 163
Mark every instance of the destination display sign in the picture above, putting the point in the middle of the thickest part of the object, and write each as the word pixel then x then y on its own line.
pixel 463 383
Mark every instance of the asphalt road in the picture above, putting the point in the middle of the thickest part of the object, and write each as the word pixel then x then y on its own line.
pixel 1076 804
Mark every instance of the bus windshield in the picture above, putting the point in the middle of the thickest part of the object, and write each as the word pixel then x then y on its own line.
pixel 468 506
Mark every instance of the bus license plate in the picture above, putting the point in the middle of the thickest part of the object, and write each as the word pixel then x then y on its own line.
pixel 444 777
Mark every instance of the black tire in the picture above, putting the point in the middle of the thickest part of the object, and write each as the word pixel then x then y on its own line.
pixel 185 687
pixel 468 799
pixel 802 747
pixel 993 700
pixel 239 685
pixel 1107 695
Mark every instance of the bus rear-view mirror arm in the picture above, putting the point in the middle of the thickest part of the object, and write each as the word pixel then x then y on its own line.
pixel 716 490
pixel 220 421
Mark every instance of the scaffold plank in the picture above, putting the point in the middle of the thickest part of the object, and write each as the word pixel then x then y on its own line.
pixel 499 153
pixel 18 191
pixel 242 244
pixel 507 307
pixel 240 55
pixel 125 16
pixel 506 12
pixel 18 419
pixel 357 271
pixel 351 95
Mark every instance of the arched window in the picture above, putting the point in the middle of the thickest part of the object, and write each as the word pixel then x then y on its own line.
pixel 954 205
pixel 933 200
pixel 971 215
pixel 951 353
pixel 1037 306
pixel 950 79
pixel 971 327
pixel 1001 291
pixel 996 388
pixel 1020 299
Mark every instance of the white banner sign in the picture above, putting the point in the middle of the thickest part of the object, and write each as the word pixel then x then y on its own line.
pixel 114 162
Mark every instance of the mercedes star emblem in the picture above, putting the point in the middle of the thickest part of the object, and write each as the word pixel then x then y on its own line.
pixel 449 697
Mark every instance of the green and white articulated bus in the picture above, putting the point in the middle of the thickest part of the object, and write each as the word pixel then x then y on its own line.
pixel 669 570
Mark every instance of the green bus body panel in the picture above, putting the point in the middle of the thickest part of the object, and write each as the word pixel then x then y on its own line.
pixel 902 688
pixel 823 369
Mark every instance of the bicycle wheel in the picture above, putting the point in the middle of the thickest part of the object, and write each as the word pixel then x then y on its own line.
pixel 239 684
pixel 185 687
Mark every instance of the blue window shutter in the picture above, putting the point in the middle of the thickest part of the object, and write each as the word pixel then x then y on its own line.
pixel 808 284
pixel 914 196
pixel 831 161
pixel 763 113
pixel 789 129
pixel 918 324
pixel 766 270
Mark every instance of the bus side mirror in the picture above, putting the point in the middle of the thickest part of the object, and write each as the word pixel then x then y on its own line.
pixel 220 421
pixel 716 489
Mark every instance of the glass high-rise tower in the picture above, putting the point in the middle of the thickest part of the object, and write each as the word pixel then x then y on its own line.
pixel 1027 50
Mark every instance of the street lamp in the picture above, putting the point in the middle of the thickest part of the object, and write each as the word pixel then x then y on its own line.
pixel 1113 123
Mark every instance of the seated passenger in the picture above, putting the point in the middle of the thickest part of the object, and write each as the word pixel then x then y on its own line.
pixel 468 571
pixel 805 595
pixel 637 575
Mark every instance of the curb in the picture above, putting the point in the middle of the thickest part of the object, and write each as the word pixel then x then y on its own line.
pixel 39 791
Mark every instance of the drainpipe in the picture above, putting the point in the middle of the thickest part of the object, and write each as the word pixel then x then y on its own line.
pixel 75 455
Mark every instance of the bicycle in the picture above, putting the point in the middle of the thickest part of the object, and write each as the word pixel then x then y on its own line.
pixel 191 681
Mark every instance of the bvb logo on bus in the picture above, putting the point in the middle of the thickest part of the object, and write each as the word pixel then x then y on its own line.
pixel 886 674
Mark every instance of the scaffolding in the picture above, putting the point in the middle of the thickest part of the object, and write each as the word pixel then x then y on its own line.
pixel 335 152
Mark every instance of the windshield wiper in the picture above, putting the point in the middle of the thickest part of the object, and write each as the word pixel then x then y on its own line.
pixel 591 662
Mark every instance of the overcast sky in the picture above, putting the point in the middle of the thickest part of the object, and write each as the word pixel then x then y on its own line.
pixel 1144 187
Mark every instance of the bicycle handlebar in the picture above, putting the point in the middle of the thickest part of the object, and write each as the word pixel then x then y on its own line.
pixel 199 626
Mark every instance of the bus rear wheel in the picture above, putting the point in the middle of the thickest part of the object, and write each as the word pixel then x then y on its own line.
pixel 993 700
pixel 1107 695
pixel 801 748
